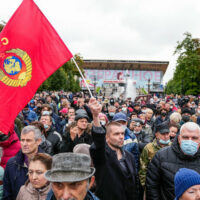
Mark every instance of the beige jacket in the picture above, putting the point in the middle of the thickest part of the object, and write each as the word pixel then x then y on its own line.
pixel 27 192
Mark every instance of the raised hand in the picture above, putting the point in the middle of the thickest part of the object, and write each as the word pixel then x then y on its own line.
pixel 95 107
pixel 73 132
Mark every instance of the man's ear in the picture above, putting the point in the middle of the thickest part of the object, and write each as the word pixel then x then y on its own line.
pixel 179 139
pixel 39 141
pixel 156 134
pixel 107 137
pixel 92 180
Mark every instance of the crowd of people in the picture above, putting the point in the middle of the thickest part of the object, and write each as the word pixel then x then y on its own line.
pixel 67 146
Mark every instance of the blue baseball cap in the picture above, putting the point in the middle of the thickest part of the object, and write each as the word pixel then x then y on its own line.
pixel 120 117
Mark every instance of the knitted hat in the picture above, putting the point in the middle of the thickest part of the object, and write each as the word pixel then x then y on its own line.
pixel 184 179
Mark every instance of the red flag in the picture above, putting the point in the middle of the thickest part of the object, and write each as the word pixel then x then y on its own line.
pixel 30 51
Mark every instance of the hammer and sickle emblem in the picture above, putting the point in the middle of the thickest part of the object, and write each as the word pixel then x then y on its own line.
pixel 4 41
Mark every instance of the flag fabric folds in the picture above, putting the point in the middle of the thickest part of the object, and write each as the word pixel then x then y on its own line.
pixel 30 51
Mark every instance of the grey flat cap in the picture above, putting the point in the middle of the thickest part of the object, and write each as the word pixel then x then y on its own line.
pixel 70 167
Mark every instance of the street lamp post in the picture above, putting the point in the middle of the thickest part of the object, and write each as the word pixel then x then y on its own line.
pixel 127 75
pixel 95 83
pixel 148 84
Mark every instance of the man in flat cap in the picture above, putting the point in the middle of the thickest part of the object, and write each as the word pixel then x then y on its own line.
pixel 71 177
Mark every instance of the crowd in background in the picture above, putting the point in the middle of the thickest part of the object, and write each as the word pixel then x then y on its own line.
pixel 136 147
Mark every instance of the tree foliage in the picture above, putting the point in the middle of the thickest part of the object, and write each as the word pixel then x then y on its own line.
pixel 65 78
pixel 186 78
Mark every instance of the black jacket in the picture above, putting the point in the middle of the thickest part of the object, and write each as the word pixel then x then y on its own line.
pixel 55 139
pixel 111 182
pixel 143 139
pixel 47 147
pixel 67 144
pixel 162 169
pixel 89 196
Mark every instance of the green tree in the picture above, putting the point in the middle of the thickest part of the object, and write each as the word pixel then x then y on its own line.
pixel 187 74
pixel 65 78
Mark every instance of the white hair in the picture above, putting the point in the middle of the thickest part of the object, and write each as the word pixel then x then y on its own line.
pixel 190 126
pixel 175 117
pixel 149 110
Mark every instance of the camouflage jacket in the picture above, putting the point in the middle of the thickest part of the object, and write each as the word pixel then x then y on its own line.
pixel 146 156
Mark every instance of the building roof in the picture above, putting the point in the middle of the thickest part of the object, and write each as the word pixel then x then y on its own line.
pixel 126 65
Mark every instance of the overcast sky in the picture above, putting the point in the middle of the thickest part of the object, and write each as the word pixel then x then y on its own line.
pixel 119 29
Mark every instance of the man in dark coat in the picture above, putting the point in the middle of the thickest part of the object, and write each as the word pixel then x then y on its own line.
pixel 116 176
pixel 184 153
pixel 52 135
pixel 142 136
pixel 81 134
pixel 17 167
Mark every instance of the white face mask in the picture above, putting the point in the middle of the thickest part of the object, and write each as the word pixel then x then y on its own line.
pixel 136 132
pixel 124 109
pixel 103 123
pixel 45 112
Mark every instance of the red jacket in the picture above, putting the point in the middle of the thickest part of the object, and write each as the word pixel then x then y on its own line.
pixel 10 147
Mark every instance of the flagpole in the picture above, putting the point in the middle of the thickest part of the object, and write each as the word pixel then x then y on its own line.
pixel 83 77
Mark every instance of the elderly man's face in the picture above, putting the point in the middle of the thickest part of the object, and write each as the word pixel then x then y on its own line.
pixel 189 135
pixel 163 136
pixel 46 120
pixel 74 190
pixel 29 144
pixel 149 114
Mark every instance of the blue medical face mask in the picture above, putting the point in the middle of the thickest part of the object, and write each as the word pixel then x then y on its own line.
pixel 189 147
pixel 46 126
pixel 164 141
